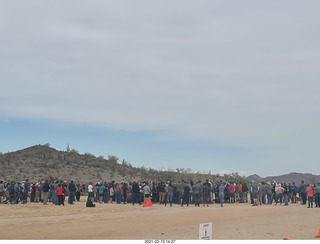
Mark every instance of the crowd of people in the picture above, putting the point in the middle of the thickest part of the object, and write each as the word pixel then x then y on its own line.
pixel 273 192
pixel 39 192
pixel 163 193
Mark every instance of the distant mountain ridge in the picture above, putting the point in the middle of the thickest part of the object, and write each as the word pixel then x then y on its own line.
pixel 288 178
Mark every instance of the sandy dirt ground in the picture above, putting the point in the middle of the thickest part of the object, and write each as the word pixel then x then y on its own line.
pixel 35 221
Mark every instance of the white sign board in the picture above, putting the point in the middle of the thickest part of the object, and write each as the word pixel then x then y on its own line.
pixel 205 231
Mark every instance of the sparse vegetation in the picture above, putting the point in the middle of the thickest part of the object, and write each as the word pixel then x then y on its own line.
pixel 41 161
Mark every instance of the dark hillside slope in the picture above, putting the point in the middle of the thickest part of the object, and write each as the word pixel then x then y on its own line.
pixel 43 162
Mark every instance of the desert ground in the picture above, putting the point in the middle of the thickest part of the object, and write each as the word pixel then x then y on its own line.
pixel 35 221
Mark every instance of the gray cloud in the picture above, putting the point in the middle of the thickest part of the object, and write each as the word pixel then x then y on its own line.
pixel 238 73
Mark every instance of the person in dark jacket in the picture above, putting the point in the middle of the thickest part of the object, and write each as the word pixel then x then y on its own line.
pixel 206 193
pixel 46 188
pixel 263 192
pixel 245 192
pixel 161 189
pixel 125 192
pixel 26 190
pixel 72 192
pixel 155 195
pixel 226 192
pixel 33 192
pixel 135 193
pixel 78 192
pixel 186 195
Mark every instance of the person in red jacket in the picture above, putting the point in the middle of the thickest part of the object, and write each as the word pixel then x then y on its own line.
pixel 310 196
pixel 237 193
pixel 231 192
pixel 59 192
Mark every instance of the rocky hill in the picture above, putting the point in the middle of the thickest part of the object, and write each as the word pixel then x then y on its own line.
pixel 288 178
pixel 40 162
pixel 43 162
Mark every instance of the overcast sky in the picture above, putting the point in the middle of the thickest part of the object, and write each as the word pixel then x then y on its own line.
pixel 225 86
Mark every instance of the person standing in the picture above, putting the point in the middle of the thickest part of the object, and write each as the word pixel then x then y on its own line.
pixel 119 193
pixel 41 191
pixel 197 189
pixel 50 193
pixel 32 190
pixel 1 191
pixel 106 193
pixel 111 192
pixel 101 190
pixel 289 192
pixel 12 192
pixel 155 196
pixel 186 195
pixel 263 191
pixel 237 193
pixel 221 193
pixel 72 192
pixel 59 193
pixel 26 190
pixel 7 192
pixel 269 192
pixel 140 192
pixel 294 193
pixel 53 188
pixel 96 192
pixel 161 191
pixel 303 192
pixel 180 186
pixel 169 191
pixel 146 193
pixel 78 192
pixel 259 194
pixel 317 195
pixel 37 190
pixel 254 192
pixel 231 193
pixel 64 186
pixel 286 194
pixel 90 191
pixel 244 192
pixel 124 192
pixel 206 193
pixel 135 193
pixel 46 189
pixel 310 196
pixel 17 192
pixel 279 193
pixel 226 192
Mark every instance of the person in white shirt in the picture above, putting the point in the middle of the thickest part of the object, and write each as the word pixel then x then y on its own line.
pixel 90 191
